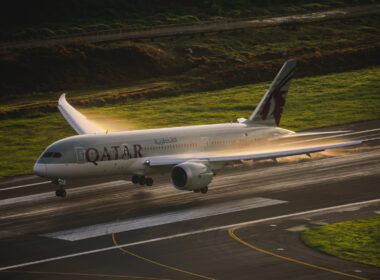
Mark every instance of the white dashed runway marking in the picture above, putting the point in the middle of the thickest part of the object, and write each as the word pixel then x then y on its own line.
pixel 163 218
pixel 24 186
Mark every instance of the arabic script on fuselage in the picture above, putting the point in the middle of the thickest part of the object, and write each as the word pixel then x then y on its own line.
pixel 160 141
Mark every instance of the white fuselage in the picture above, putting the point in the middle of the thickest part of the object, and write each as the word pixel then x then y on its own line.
pixel 128 152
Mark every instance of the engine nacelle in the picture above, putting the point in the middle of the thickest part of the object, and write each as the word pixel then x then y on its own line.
pixel 191 175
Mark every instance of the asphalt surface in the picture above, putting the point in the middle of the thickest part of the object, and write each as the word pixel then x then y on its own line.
pixel 246 227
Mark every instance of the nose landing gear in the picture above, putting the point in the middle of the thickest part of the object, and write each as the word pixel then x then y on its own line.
pixel 61 192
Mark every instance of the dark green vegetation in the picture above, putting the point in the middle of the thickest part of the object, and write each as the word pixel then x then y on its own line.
pixel 312 102
pixel 23 139
pixel 206 62
pixel 357 241
pixel 22 19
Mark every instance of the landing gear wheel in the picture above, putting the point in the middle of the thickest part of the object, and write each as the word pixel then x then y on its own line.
pixel 149 181
pixel 142 180
pixel 60 193
pixel 63 193
pixel 135 179
pixel 204 189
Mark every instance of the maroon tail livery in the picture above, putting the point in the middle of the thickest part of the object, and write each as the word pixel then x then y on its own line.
pixel 269 110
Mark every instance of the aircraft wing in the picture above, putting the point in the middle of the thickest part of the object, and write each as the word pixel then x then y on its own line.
pixel 307 134
pixel 161 161
pixel 77 121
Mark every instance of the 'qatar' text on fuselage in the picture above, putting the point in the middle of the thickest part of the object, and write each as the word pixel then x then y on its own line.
pixel 113 153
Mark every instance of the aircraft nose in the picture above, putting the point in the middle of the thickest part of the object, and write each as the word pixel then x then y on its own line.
pixel 40 169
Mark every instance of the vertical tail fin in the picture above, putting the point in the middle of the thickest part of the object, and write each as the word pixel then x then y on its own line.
pixel 269 110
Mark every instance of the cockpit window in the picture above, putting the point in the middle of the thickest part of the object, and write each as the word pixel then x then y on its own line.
pixel 47 154
pixel 52 154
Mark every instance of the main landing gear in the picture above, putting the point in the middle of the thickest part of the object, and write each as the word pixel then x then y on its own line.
pixel 61 192
pixel 142 180
pixel 202 190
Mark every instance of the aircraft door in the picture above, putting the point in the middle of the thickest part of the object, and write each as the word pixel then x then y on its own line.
pixel 80 154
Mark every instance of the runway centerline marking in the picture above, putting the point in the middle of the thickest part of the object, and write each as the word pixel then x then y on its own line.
pixel 49 195
pixel 163 218
pixel 231 232
pixel 189 234
pixel 157 263
pixel 24 186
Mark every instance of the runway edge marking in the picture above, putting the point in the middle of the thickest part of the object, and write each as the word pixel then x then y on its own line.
pixel 102 275
pixel 190 233
pixel 24 186
pixel 50 195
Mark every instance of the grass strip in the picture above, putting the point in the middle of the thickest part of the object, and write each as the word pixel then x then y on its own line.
pixel 357 241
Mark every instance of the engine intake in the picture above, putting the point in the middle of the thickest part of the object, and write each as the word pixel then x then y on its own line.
pixel 191 175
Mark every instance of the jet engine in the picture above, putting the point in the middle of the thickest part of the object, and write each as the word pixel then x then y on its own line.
pixel 191 176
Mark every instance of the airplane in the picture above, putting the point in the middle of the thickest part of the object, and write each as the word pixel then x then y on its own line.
pixel 192 154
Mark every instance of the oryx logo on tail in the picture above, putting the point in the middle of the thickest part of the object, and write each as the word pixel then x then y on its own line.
pixel 269 110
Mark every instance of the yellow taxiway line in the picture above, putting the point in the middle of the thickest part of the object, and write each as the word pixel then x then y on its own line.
pixel 157 263
pixel 234 236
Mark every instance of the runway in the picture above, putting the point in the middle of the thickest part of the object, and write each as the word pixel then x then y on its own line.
pixel 246 227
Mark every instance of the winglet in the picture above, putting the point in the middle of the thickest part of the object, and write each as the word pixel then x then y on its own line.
pixel 77 121
pixel 270 108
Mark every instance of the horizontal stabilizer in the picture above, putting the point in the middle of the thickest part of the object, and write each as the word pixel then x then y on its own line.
pixel 77 121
